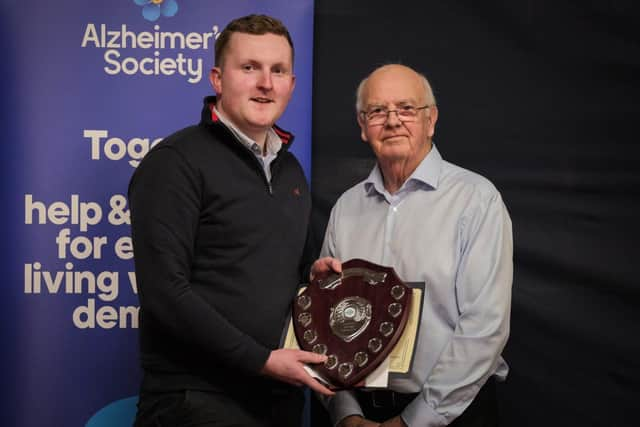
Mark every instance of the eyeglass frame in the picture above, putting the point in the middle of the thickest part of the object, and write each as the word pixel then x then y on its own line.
pixel 397 111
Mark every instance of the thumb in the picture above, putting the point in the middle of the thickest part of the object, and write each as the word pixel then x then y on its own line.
pixel 336 265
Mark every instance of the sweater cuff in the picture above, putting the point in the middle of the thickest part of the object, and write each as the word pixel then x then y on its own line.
pixel 255 358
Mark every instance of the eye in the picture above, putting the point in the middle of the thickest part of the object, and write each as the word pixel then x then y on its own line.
pixel 407 110
pixel 376 110
pixel 248 67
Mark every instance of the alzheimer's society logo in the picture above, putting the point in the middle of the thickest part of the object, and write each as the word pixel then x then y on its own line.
pixel 152 9
pixel 151 53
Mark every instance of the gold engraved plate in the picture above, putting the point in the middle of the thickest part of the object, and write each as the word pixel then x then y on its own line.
pixel 319 349
pixel 386 328
pixel 360 359
pixel 332 362
pixel 345 369
pixel 350 317
pixel 397 292
pixel 304 318
pixel 304 302
pixel 395 309
pixel 310 336
pixel 375 344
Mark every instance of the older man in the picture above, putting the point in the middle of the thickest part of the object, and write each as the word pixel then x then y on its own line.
pixel 436 223
pixel 219 222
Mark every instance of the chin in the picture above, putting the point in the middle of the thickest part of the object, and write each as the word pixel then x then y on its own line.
pixel 263 117
pixel 394 153
pixel 395 149
pixel 262 123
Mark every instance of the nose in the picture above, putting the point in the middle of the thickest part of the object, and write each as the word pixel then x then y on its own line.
pixel 265 81
pixel 393 119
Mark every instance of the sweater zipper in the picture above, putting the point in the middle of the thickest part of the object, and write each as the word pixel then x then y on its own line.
pixel 257 162
pixel 260 166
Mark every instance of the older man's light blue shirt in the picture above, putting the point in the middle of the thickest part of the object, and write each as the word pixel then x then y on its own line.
pixel 446 227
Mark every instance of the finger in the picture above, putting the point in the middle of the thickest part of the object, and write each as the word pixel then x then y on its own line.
pixel 310 357
pixel 331 264
pixel 321 265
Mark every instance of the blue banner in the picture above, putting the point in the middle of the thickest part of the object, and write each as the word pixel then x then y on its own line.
pixel 88 88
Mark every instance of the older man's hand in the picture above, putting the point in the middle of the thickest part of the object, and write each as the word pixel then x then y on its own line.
pixel 394 422
pixel 357 421
pixel 325 265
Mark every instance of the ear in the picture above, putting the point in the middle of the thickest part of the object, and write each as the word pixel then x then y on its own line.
pixel 363 126
pixel 215 77
pixel 433 118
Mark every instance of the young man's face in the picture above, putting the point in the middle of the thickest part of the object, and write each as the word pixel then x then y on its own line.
pixel 255 82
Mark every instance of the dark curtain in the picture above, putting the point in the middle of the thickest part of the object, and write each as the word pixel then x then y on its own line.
pixel 543 98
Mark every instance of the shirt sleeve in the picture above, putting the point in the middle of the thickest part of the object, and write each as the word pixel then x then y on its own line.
pixel 483 291
pixel 341 405
pixel 329 242
pixel 165 201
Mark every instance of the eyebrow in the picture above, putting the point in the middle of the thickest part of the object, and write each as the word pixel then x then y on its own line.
pixel 396 103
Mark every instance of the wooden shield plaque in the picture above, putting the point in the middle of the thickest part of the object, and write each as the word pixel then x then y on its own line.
pixel 354 318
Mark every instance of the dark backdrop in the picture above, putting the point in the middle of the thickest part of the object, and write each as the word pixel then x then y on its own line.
pixel 543 98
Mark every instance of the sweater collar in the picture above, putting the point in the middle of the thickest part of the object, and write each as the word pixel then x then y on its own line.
pixel 209 116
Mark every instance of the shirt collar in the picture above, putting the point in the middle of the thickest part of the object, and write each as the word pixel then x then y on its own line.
pixel 273 142
pixel 426 175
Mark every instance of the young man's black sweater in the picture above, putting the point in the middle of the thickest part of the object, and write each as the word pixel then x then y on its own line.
pixel 218 256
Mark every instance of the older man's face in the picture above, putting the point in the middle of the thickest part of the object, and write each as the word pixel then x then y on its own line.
pixel 393 87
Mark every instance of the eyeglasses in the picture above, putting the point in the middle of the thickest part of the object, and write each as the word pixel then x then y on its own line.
pixel 380 115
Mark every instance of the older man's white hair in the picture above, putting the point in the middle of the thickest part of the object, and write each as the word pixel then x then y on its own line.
pixel 428 92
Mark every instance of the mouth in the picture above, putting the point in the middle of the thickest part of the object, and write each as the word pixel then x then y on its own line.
pixel 262 100
pixel 394 138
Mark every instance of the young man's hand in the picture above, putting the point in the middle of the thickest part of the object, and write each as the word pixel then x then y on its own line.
pixel 287 365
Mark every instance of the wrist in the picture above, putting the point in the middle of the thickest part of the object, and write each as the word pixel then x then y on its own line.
pixel 351 421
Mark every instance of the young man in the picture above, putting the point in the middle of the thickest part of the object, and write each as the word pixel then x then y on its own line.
pixel 436 223
pixel 219 221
